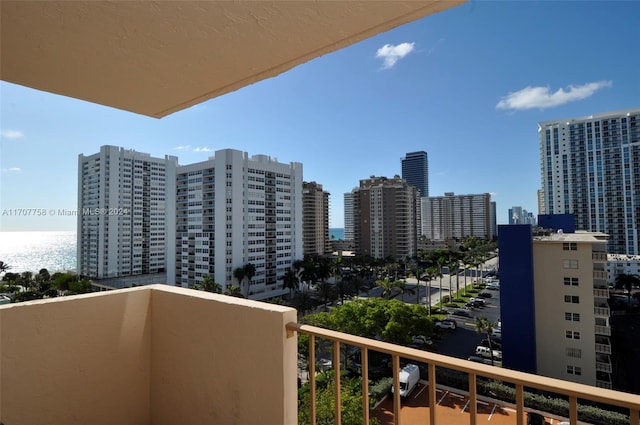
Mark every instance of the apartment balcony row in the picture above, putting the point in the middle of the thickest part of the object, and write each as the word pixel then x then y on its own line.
pixel 161 356
pixel 600 293
pixel 602 310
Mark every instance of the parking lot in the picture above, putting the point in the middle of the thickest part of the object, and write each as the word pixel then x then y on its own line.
pixel 463 341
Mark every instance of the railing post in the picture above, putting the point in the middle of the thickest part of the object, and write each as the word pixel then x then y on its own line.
pixel 432 393
pixel 336 378
pixel 519 404
pixel 396 389
pixel 364 368
pixel 473 399
pixel 573 410
pixel 634 417
pixel 312 377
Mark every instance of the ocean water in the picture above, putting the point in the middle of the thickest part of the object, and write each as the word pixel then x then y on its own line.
pixel 32 251
pixel 336 233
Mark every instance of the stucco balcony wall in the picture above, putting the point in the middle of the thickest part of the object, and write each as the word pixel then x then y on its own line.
pixel 146 355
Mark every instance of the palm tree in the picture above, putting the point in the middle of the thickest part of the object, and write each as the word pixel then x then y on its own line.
pixel 627 282
pixel 234 291
pixel 4 267
pixel 417 272
pixel 290 281
pixel 239 274
pixel 430 273
pixel 249 272
pixel 452 266
pixel 402 288
pixel 326 291
pixel 483 325
pixel 208 285
pixel 441 261
pixel 388 287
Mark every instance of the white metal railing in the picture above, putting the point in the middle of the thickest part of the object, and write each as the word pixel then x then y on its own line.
pixel 520 380
pixel 603 348
pixel 603 330
pixel 601 311
pixel 600 293
pixel 599 256
pixel 603 367
pixel 598 274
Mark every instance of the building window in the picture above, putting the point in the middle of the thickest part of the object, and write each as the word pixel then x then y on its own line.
pixel 569 246
pixel 574 299
pixel 574 352
pixel 572 316
pixel 572 334
pixel 570 264
pixel 571 281
pixel 574 370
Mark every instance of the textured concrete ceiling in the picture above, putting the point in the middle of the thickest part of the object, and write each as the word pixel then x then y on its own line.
pixel 158 57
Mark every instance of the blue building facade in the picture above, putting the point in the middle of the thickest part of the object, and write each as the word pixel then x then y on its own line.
pixel 415 170
pixel 517 302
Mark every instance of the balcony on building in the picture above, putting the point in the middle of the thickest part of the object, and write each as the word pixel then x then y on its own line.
pixel 165 355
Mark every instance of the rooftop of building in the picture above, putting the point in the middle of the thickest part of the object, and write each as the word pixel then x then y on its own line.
pixel 547 235
pixel 601 116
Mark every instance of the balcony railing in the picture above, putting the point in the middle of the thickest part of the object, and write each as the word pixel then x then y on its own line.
pixel 603 330
pixel 520 380
pixel 603 348
pixel 603 367
pixel 600 293
pixel 599 256
pixel 599 274
pixel 601 311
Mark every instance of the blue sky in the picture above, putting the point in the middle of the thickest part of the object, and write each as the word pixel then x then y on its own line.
pixel 467 85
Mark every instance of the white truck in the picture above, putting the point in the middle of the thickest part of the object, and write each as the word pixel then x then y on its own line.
pixel 409 377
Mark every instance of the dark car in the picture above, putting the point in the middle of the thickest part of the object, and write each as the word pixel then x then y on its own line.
pixel 461 313
pixel 494 344
pixel 485 294
pixel 535 419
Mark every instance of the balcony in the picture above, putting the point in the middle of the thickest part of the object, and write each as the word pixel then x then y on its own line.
pixel 147 355
pixel 603 330
pixel 600 293
pixel 156 354
pixel 599 256
pixel 601 311
pixel 600 274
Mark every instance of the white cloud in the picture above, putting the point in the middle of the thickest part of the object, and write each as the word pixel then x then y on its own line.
pixel 392 54
pixel 203 149
pixel 11 170
pixel 182 148
pixel 541 97
pixel 189 148
pixel 11 134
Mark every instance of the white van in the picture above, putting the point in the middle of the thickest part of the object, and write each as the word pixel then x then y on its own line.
pixel 486 353
pixel 409 377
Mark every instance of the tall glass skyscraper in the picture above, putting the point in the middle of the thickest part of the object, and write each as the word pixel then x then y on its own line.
pixel 415 170
pixel 591 169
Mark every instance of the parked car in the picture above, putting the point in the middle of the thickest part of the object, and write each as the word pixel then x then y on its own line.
pixel 494 344
pixel 485 295
pixel 461 313
pixel 446 324
pixel 497 332
pixel 493 287
pixel 476 359
pixel 486 353
pixel 477 300
pixel 421 339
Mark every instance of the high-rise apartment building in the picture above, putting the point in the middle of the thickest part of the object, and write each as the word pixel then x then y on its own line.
pixel 591 169
pixel 457 217
pixel 386 217
pixel 348 216
pixel 232 210
pixel 553 304
pixel 518 215
pixel 122 204
pixel 415 170
pixel 315 219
